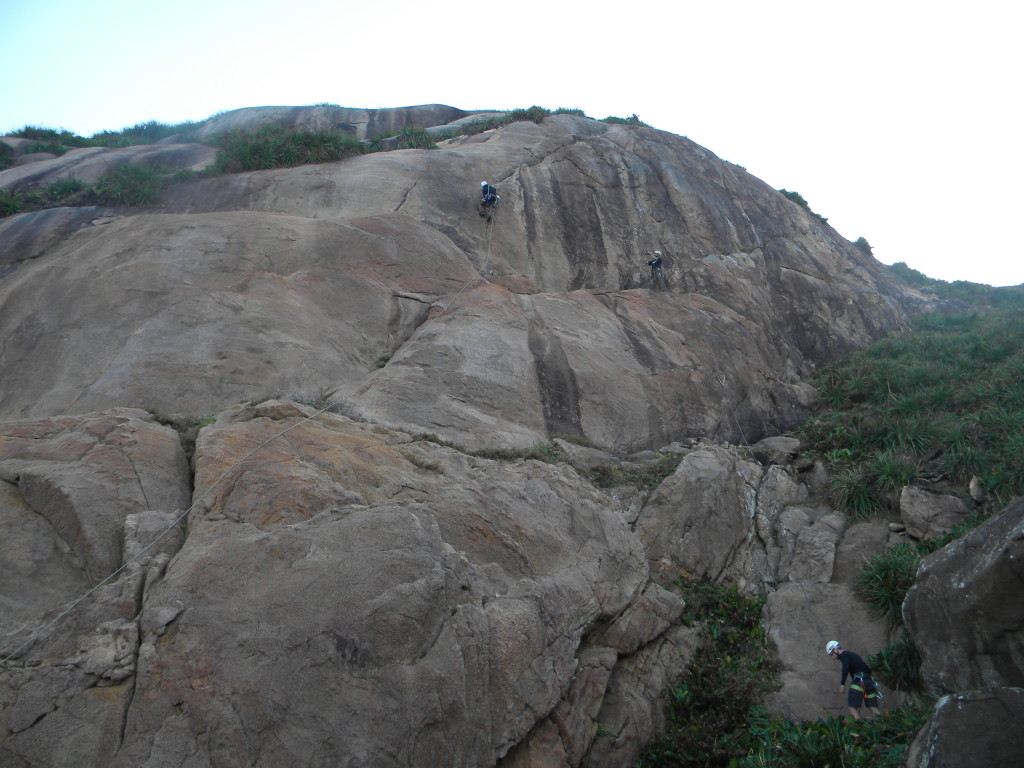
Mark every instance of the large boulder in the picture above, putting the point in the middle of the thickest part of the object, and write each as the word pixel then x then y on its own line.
pixel 974 729
pixel 927 514
pixel 965 611
pixel 89 509
pixel 350 595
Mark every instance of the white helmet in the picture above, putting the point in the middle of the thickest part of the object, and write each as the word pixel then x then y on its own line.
pixel 483 183
pixel 831 646
pixel 657 253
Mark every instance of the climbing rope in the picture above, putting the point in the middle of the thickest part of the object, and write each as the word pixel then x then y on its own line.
pixel 177 521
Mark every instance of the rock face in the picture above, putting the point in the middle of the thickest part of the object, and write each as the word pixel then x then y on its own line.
pixel 299 281
pixel 965 613
pixel 977 729
pixel 327 589
pixel 926 514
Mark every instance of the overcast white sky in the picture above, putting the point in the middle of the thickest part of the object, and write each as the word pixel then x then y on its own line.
pixel 898 120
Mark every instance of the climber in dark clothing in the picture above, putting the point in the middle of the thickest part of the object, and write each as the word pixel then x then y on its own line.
pixel 488 197
pixel 862 686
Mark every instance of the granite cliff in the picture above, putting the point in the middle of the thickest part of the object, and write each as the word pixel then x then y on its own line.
pixel 360 585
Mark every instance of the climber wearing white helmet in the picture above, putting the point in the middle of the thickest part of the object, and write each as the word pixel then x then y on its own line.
pixel 863 688
pixel 488 197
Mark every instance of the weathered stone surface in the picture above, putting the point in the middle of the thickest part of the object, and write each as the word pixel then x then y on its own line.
pixel 975 729
pixel 301 280
pixel 71 484
pixel 776 450
pixel 350 594
pixel 73 508
pixel 927 514
pixel 966 612
pixel 632 711
pixel 801 618
pixel 405 603
pixel 700 516
pixel 28 235
pixel 89 164
pixel 361 123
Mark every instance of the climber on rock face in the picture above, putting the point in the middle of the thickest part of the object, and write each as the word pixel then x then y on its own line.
pixel 488 197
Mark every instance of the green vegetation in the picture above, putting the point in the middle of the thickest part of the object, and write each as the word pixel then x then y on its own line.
pixel 797 198
pixel 976 294
pixel 880 742
pixel 60 141
pixel 645 477
pixel 633 119
pixel 936 405
pixel 132 185
pixel 275 147
pixel 715 715
pixel 713 710
pixel 883 583
pixel 411 137
pixel 6 156
pixel 547 452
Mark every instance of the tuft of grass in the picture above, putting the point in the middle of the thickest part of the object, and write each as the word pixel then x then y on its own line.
pixel 131 185
pixel 11 202
pixel 884 580
pixel 646 477
pixel 898 665
pixel 878 742
pixel 411 137
pixel 939 404
pixel 710 709
pixel 633 119
pixel 276 147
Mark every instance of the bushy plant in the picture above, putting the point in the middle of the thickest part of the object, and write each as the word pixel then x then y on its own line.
pixel 633 119
pixel 66 189
pixel 710 710
pixel 149 132
pixel 646 477
pixel 6 156
pixel 863 245
pixel 941 403
pixel 132 185
pixel 898 665
pixel 534 114
pixel 411 137
pixel 878 742
pixel 275 147
pixel 884 580
pixel 11 202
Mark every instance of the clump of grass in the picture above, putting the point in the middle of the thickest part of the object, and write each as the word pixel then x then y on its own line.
pixel 884 580
pixel 11 202
pixel 878 742
pixel 898 665
pixel 276 147
pixel 149 132
pixel 6 155
pixel 131 185
pixel 633 119
pixel 411 137
pixel 939 404
pixel 710 708
pixel 644 476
